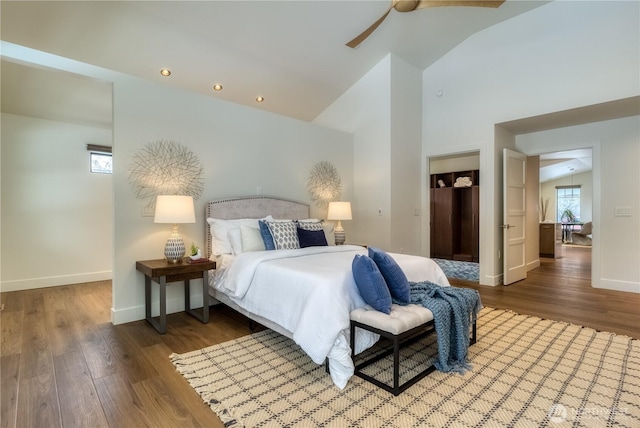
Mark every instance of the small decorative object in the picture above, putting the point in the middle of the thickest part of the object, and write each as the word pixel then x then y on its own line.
pixel 165 168
pixel 339 211
pixel 196 254
pixel 174 209
pixel 441 183
pixel 544 206
pixel 463 182
pixel 324 184
pixel 568 216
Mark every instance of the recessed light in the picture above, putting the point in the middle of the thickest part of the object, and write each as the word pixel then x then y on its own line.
pixel 217 87
pixel 259 99
pixel 165 72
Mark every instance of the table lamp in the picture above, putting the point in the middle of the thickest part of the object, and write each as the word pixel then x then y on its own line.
pixel 174 209
pixel 339 211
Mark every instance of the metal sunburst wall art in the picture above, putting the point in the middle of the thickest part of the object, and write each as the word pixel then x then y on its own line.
pixel 324 184
pixel 165 167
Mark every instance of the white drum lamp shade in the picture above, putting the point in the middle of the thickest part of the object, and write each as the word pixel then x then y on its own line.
pixel 174 209
pixel 339 211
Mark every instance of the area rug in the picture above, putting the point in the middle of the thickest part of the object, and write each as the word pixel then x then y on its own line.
pixel 526 372
pixel 458 269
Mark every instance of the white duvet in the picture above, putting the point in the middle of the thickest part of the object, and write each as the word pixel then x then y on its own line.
pixel 310 293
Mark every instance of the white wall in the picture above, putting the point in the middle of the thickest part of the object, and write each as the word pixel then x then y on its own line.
pixel 558 56
pixel 616 156
pixel 241 149
pixel 57 218
pixel 382 111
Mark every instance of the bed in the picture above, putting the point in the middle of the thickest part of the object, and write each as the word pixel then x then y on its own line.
pixel 305 294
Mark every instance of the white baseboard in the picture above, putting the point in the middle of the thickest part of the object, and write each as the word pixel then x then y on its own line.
pixel 532 265
pixel 137 313
pixel 615 284
pixel 54 281
pixel 491 280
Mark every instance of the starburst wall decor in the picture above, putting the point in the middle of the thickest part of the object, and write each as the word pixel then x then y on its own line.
pixel 165 167
pixel 324 184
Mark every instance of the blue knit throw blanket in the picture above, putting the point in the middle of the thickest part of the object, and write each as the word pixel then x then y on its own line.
pixel 454 309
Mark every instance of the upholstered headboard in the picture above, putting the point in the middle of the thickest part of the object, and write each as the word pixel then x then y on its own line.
pixel 253 207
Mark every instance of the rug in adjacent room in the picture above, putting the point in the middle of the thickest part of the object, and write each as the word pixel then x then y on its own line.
pixel 526 372
pixel 458 269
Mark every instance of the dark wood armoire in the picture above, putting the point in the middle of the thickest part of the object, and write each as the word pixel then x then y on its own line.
pixel 455 216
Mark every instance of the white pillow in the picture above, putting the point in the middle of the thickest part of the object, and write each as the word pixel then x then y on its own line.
pixel 220 236
pixel 251 239
pixel 235 237
pixel 328 233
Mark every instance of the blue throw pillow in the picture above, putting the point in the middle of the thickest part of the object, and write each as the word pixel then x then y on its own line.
pixel 311 238
pixel 392 273
pixel 266 236
pixel 371 284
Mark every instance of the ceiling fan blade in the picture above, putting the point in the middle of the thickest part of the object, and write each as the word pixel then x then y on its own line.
pixel 472 3
pixel 366 33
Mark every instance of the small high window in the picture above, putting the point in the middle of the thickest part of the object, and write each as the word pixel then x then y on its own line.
pixel 100 158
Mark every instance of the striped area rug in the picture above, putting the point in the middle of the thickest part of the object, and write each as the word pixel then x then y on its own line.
pixel 527 372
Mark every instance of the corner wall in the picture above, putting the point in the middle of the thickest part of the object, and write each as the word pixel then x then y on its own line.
pixel 382 111
pixel 57 218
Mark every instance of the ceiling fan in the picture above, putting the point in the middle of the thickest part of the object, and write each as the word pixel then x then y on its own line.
pixel 411 5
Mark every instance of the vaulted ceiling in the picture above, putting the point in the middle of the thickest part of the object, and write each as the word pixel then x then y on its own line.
pixel 292 53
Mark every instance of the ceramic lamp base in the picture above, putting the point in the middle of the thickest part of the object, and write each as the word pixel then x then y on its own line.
pixel 174 250
pixel 339 234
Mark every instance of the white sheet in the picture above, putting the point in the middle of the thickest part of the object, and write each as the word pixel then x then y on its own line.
pixel 310 292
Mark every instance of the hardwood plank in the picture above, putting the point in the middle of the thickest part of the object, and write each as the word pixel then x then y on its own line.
pixel 33 305
pixel 36 350
pixel 13 301
pixel 79 402
pixel 10 375
pixel 11 332
pixel 38 402
pixel 62 334
pixel 161 407
pixel 120 403
pixel 126 352
pixel 99 357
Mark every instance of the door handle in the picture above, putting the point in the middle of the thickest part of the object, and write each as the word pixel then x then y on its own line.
pixel 507 226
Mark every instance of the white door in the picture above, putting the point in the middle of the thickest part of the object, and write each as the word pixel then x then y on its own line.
pixel 514 173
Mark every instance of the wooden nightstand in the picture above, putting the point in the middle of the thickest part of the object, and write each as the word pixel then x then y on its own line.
pixel 163 272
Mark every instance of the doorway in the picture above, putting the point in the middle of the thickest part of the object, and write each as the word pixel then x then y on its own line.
pixel 454 195
pixel 566 198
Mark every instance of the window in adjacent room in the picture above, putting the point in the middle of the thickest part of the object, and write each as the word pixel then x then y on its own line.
pixel 100 158
pixel 568 198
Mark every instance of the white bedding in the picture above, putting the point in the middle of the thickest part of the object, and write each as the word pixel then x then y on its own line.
pixel 310 293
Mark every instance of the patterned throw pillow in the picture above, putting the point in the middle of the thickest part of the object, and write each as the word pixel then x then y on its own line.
pixel 285 234
pixel 310 224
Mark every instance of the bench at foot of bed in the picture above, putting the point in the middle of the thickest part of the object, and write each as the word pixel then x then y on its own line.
pixel 403 326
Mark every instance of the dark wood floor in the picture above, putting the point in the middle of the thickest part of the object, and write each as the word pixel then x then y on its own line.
pixel 63 364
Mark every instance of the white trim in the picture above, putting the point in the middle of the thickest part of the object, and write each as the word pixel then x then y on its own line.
pixel 137 313
pixel 616 284
pixel 54 281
